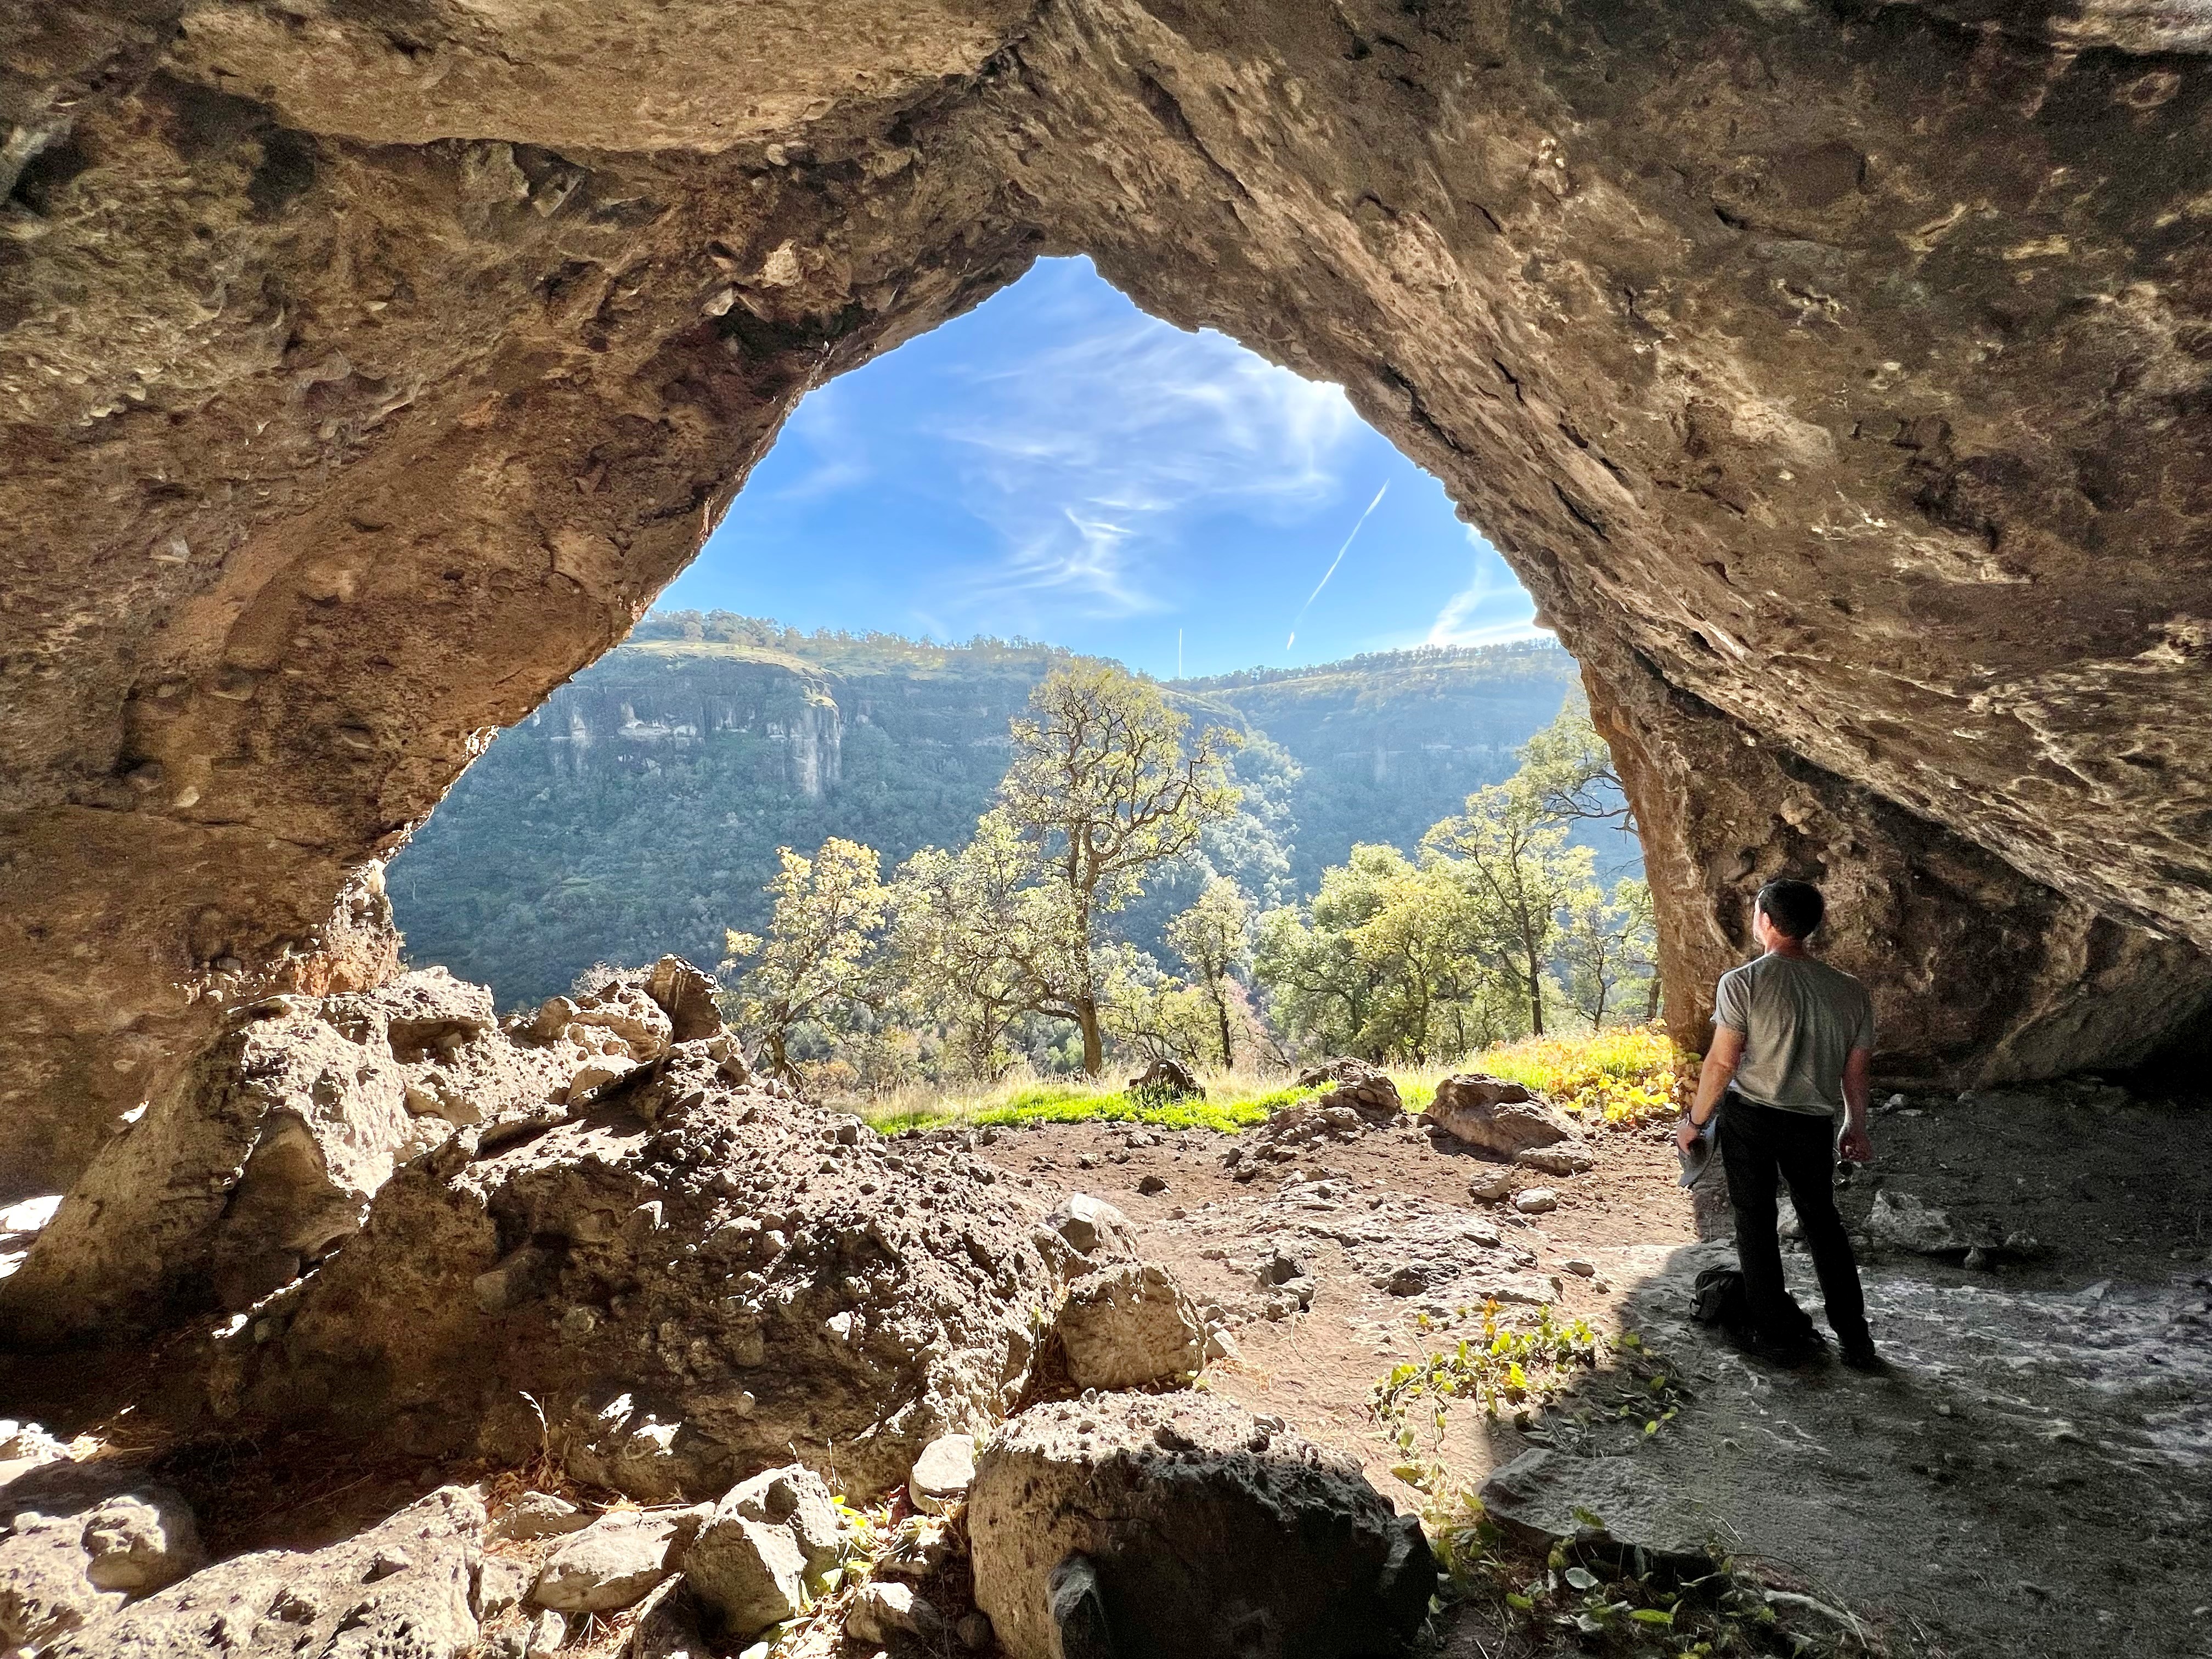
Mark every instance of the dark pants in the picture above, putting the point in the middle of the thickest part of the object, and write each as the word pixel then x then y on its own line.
pixel 1758 1144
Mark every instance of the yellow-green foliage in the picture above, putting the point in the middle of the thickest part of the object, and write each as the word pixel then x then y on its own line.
pixel 1233 1102
pixel 1622 1074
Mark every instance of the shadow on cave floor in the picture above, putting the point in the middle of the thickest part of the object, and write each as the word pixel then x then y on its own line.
pixel 2035 1475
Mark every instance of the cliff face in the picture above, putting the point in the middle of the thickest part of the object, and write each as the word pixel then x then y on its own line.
pixel 1844 369
pixel 1389 743
pixel 648 704
pixel 645 801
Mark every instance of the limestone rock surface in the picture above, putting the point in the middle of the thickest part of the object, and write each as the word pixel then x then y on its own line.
pixel 80 1541
pixel 362 382
pixel 693 1279
pixel 1130 1326
pixel 401 1587
pixel 1205 1531
pixel 1497 1116
pixel 1537 1495
pixel 264 1159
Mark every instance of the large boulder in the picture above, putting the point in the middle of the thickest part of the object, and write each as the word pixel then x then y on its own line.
pixel 401 1589
pixel 1168 1079
pixel 694 1280
pixel 1130 1326
pixel 80 1541
pixel 1495 1116
pixel 1189 1528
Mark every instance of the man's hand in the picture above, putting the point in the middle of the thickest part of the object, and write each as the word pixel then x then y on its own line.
pixel 1686 1132
pixel 1857 1146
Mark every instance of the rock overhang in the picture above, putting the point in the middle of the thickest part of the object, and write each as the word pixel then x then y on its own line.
pixel 1839 381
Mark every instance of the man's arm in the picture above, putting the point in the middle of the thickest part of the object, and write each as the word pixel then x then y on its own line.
pixel 1858 1071
pixel 1721 1058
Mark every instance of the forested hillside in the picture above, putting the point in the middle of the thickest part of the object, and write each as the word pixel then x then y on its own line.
pixel 640 809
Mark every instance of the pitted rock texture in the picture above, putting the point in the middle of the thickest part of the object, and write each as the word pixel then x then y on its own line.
pixel 1836 377
pixel 695 1281
pixel 263 1160
pixel 405 1587
pixel 78 1541
pixel 1209 1531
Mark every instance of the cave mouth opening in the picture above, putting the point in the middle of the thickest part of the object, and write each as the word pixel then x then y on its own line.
pixel 842 658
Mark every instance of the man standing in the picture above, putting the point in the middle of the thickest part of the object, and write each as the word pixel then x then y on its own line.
pixel 1793 1038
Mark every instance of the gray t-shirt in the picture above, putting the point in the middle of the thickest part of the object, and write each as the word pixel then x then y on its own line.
pixel 1800 1020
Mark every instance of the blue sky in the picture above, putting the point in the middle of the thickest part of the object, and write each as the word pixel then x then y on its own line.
pixel 1056 463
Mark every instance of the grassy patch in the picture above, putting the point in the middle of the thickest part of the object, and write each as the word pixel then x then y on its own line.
pixel 1622 1074
pixel 1233 1102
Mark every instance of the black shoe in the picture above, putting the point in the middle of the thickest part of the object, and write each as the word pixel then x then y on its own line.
pixel 1861 1357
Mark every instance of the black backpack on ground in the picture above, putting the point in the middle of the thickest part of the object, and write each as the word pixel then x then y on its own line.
pixel 1718 1299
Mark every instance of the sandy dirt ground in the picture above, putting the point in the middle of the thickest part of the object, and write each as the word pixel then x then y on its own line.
pixel 2033 1477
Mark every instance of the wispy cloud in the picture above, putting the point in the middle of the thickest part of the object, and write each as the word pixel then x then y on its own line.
pixel 1095 459
pixel 1490 609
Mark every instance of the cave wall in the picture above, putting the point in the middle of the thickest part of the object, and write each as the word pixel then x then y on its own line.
pixel 1836 375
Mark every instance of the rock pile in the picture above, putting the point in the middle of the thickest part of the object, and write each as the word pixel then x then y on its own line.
pixel 1181 1525
pixel 265 1157
pixel 694 1279
pixel 1363 1101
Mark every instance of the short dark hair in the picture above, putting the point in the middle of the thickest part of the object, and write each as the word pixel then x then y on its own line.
pixel 1794 907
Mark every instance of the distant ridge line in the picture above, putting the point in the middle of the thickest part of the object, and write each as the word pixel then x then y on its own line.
pixel 765 634
pixel 1410 656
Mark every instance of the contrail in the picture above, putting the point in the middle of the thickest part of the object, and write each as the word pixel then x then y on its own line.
pixel 1333 564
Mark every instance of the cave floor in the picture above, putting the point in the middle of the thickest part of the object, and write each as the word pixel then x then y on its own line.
pixel 2034 1476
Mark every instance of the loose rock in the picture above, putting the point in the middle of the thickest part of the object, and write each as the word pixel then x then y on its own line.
pixel 1495 1115
pixel 540 1515
pixel 942 1473
pixel 882 1611
pixel 747 1574
pixel 1902 1220
pixel 1203 1525
pixel 1564 1158
pixel 1536 1201
pixel 1130 1327
pixel 612 1563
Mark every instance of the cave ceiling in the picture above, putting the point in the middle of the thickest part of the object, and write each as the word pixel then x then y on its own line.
pixel 1839 377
